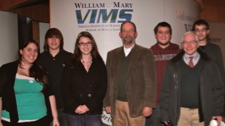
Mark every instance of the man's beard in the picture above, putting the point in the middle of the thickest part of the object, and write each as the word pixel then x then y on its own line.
pixel 128 42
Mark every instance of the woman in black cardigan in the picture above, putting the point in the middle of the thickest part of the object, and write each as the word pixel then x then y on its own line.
pixel 23 87
pixel 84 83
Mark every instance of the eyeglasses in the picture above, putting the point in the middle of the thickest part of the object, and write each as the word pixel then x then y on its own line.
pixel 127 31
pixel 200 30
pixel 190 42
pixel 84 44
pixel 163 32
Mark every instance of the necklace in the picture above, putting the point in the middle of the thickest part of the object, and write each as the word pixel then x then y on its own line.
pixel 87 64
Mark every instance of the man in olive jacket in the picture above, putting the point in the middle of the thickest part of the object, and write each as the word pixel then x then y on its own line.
pixel 192 89
pixel 131 93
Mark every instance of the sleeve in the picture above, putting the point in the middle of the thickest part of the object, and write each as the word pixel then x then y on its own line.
pixel 219 62
pixel 150 80
pixel 3 79
pixel 106 101
pixel 48 90
pixel 165 94
pixel 46 78
pixel 218 92
pixel 66 89
pixel 101 90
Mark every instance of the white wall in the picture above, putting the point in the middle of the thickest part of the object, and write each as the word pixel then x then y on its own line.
pixel 9 37
pixel 146 14
pixel 43 27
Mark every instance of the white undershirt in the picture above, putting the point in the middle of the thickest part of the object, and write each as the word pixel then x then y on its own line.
pixel 127 50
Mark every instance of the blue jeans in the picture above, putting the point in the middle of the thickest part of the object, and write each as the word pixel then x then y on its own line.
pixel 84 120
pixel 61 118
pixel 154 119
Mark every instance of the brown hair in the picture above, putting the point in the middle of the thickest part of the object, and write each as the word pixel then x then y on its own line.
pixel 36 71
pixel 77 55
pixel 135 28
pixel 53 32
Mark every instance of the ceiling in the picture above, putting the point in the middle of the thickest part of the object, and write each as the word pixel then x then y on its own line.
pixel 37 10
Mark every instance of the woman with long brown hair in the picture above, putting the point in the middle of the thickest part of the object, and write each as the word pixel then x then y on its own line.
pixel 84 83
pixel 23 87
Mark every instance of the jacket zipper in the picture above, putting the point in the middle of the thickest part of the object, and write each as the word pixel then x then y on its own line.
pixel 176 88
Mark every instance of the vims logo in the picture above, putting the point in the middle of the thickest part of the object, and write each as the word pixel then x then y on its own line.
pixel 110 12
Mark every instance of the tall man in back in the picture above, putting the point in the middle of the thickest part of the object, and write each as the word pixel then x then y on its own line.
pixel 131 93
pixel 201 28
pixel 163 52
pixel 53 59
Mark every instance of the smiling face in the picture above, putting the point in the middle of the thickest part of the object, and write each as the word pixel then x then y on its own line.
pixel 85 45
pixel 29 53
pixel 190 44
pixel 53 43
pixel 163 35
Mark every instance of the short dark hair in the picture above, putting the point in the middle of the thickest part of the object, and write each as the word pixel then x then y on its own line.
pixel 162 24
pixel 200 22
pixel 53 32
pixel 135 28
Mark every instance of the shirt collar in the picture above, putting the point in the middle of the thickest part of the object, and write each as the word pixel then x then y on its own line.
pixel 196 57
pixel 128 50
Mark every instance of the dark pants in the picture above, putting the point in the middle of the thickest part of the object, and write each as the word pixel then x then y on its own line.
pixel 84 120
pixel 61 118
pixel 41 122
pixel 154 119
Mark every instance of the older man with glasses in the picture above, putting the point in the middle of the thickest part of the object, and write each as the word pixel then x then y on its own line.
pixel 192 89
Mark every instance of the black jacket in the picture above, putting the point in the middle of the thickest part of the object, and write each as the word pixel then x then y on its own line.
pixel 7 79
pixel 54 66
pixel 211 90
pixel 213 51
pixel 82 88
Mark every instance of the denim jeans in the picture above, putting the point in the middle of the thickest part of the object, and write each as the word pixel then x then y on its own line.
pixel 84 120
pixel 61 118
pixel 154 119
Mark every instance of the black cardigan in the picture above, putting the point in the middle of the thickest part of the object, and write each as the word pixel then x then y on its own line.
pixel 7 78
pixel 84 88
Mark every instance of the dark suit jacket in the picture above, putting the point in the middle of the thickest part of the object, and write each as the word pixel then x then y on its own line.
pixel 211 90
pixel 141 80
pixel 84 88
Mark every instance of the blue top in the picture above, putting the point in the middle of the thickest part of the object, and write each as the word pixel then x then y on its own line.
pixel 29 99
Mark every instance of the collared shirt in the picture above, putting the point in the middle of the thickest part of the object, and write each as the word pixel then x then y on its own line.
pixel 127 50
pixel 55 66
pixel 195 59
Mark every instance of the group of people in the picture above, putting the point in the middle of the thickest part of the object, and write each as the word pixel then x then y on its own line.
pixel 163 85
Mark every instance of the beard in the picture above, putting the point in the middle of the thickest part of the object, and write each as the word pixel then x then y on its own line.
pixel 125 42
